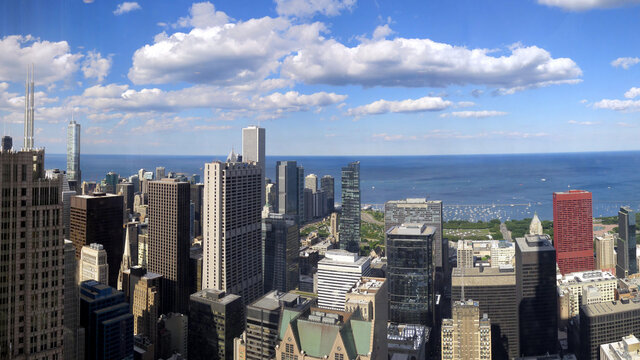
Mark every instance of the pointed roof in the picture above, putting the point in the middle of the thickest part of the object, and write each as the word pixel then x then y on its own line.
pixel 535 228
pixel 233 157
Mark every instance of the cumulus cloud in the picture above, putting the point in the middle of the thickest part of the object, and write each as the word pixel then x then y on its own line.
pixel 618 105
pixel 306 8
pixel 426 63
pixel 382 106
pixel 202 15
pixel 625 62
pixel 474 114
pixel 584 5
pixel 632 93
pixel 382 32
pixel 95 66
pixel 53 61
pixel 126 7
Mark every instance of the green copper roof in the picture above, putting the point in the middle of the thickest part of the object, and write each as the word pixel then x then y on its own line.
pixel 286 318
pixel 317 339
pixel 362 335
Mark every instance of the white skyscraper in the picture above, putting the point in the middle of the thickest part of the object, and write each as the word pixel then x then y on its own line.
pixel 337 273
pixel 73 152
pixel 253 149
pixel 232 228
pixel 93 264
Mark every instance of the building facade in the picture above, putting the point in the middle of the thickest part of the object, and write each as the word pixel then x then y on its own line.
pixel 73 153
pixel 337 274
pixel 574 289
pixel 350 218
pixel 626 264
pixel 573 230
pixel 327 184
pixel 253 150
pixel 605 323
pixel 145 305
pixel 290 189
pixel 93 264
pixel 605 254
pixel 467 335
pixel 280 245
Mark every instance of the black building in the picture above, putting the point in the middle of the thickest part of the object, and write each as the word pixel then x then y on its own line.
pixel 350 217
pixel 606 323
pixel 127 192
pixel 280 252
pixel 626 263
pixel 197 196
pixel 327 184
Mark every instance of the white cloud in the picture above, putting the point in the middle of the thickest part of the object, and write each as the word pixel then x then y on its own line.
pixel 618 105
pixel 126 7
pixel 583 123
pixel 382 106
pixel 625 62
pixel 382 32
pixel 305 8
pixel 211 127
pixel 426 63
pixel 393 137
pixel 53 61
pixel 95 66
pixel 474 114
pixel 583 5
pixel 464 104
pixel 632 93
pixel 624 124
pixel 202 15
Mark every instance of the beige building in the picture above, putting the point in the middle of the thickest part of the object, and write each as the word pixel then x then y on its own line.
pixel 605 257
pixel 494 253
pixel 582 288
pixel 146 305
pixel 535 227
pixel 466 335
pixel 93 264
pixel 627 349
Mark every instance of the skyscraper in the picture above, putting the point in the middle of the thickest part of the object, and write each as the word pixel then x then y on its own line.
pixel 98 219
pixel 604 323
pixel 253 150
pixel 232 227
pixel 626 264
pixel 337 273
pixel 169 242
pixel 70 302
pixel 311 182
pixel 93 264
pixel 350 219
pixel 605 258
pixel 126 190
pixel 536 294
pixel 573 230
pixel 410 273
pixel 290 189
pixel 73 153
pixel 466 335
pixel 160 172
pixel 280 252
pixel 197 193
pixel 111 180
pixel 145 305
pixel 327 184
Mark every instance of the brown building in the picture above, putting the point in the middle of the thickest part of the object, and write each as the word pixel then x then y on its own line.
pixel 98 219
pixel 31 258
pixel 169 243
pixel 146 305
pixel 467 335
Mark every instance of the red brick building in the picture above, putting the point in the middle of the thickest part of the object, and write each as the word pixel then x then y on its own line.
pixel 573 230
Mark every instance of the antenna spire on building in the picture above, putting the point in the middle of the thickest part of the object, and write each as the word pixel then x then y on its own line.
pixel 29 106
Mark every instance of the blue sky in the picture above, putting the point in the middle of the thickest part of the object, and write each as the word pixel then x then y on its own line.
pixel 324 77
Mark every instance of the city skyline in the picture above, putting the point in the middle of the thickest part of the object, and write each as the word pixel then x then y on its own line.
pixel 531 91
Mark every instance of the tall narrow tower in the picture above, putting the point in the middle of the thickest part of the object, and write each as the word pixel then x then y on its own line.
pixel 253 149
pixel 73 152
pixel 29 109
pixel 350 219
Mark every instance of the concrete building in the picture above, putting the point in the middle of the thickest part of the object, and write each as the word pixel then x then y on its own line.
pixel 350 217
pixel 627 349
pixel 263 319
pixel 93 264
pixel 98 218
pixel 573 230
pixel 335 221
pixel 70 302
pixel 337 273
pixel 626 263
pixel 407 341
pixel 216 319
pixel 232 215
pixel 410 271
pixel 605 255
pixel 290 189
pixel 311 182
pixel 535 227
pixel 173 330
pixel 253 150
pixel 495 291
pixel 280 244
pixel 605 323
pixel 74 173
pixel 146 305
pixel 472 253
pixel 107 321
pixel 160 172
pixel 536 294
pixel 327 184
pixel 573 289
pixel 467 335
pixel 169 241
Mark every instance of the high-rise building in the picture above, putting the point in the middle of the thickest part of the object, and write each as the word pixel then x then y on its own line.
pixel 73 152
pixel 410 272
pixel 605 323
pixel 605 258
pixel 337 273
pixel 263 320
pixel 290 189
pixel 350 218
pixel 253 150
pixel 573 230
pixel 232 215
pixel 145 305
pixel 407 341
pixel 311 182
pixel 94 264
pixel 173 336
pixel 535 227
pixel 536 294
pixel 280 251
pixel 418 210
pixel 626 264
pixel 160 172
pixel 307 200
pixel 97 218
pixel 7 143
pixel 111 180
pixel 334 224
pixel 327 184
pixel 628 348
pixel 197 196
pixel 105 316
pixel 169 242
pixel 466 335
pixel 574 290
pixel 216 319
pixel 126 190
pixel 70 302
pixel 495 291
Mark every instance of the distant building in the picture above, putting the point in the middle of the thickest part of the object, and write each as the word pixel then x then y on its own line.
pixel 73 152
pixel 160 172
pixel 627 349
pixel 626 264
pixel 467 335
pixel 605 258
pixel 327 184
pixel 71 303
pixel 350 218
pixel 605 323
pixel 197 198
pixel 110 181
pixel 311 182
pixel 407 341
pixel 335 221
pixel 94 264
pixel 146 305
pixel 536 294
pixel 173 335
pixel 216 319
pixel 126 190
pixel 98 218
pixel 280 244
pixel 535 227
pixel 573 230
pixel 290 189
pixel 88 187
pixel 472 253
pixel 107 321
pixel 195 268
pixel 574 288
pixel 495 291
pixel 253 150
pixel 410 272
pixel 337 274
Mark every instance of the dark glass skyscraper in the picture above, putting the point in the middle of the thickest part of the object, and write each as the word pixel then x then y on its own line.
pixel 327 184
pixel 350 219
pixel 290 188
pixel 626 263
pixel 280 253
pixel 410 273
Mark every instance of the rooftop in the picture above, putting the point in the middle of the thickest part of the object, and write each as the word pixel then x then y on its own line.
pixel 484 276
pixel 96 195
pixel 533 243
pixel 407 335
pixel 339 256
pixel 274 299
pixel 585 277
pixel 611 307
pixel 217 296
pixel 367 285
pixel 412 229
